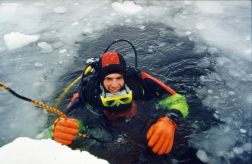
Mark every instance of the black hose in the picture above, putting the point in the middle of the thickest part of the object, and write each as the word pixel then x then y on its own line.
pixel 18 95
pixel 123 40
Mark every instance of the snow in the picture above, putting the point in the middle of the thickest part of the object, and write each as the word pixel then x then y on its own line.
pixel 37 64
pixel 202 156
pixel 243 130
pixel 16 40
pixel 237 150
pixel 126 7
pixel 62 51
pixel 75 23
pixel 247 147
pixel 45 47
pixel 60 10
pixel 9 7
pixel 209 7
pixel 26 150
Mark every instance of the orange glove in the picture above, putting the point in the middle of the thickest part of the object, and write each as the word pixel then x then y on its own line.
pixel 65 130
pixel 160 136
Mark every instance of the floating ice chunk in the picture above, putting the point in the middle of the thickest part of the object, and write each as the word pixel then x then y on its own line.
pixel 247 147
pixel 87 30
pixel 223 61
pixel 188 33
pixel 243 130
pixel 49 151
pixel 248 38
pixel 113 14
pixel 200 26
pixel 75 23
pixel 9 8
pixel 161 44
pixel 62 51
pixel 39 4
pixel 142 27
pixel 249 98
pixel 126 7
pixel 231 93
pixel 16 40
pixel 150 49
pixel 187 2
pixel 60 10
pixel 210 91
pixel 212 50
pixel 248 51
pixel 210 7
pixel 237 150
pixel 216 116
pixel 45 47
pixel 37 64
pixel 128 20
pixel 202 156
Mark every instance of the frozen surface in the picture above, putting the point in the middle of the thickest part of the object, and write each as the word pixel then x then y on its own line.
pixel 16 40
pixel 202 156
pixel 25 150
pixel 126 7
pixel 39 41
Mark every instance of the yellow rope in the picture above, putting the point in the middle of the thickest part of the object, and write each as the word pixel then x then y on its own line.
pixel 82 135
pixel 48 108
pixel 2 87
pixel 40 105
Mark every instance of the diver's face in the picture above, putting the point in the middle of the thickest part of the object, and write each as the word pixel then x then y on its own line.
pixel 113 82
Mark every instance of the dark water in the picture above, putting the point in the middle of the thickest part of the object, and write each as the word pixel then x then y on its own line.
pixel 170 58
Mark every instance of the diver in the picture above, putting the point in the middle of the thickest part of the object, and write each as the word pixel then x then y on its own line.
pixel 124 99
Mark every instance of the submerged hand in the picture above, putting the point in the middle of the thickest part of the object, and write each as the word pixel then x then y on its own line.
pixel 65 130
pixel 160 136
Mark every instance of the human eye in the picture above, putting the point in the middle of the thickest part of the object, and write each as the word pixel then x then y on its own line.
pixel 119 78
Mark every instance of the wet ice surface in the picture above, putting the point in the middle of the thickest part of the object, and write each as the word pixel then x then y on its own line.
pixel 213 38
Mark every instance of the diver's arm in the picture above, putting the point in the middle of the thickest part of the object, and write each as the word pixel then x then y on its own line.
pixel 73 103
pixel 175 104
pixel 66 130
pixel 161 133
pixel 49 132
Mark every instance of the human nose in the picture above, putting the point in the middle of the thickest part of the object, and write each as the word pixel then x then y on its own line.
pixel 114 83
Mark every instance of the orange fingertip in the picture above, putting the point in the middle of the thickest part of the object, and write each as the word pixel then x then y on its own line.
pixel 164 147
pixel 169 146
pixel 66 130
pixel 69 123
pixel 159 144
pixel 154 138
pixel 63 136
pixel 149 133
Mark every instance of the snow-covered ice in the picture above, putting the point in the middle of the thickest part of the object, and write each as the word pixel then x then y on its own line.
pixel 202 156
pixel 60 10
pixel 45 47
pixel 27 151
pixel 16 40
pixel 126 7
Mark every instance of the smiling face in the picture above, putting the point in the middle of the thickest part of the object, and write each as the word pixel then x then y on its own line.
pixel 113 82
